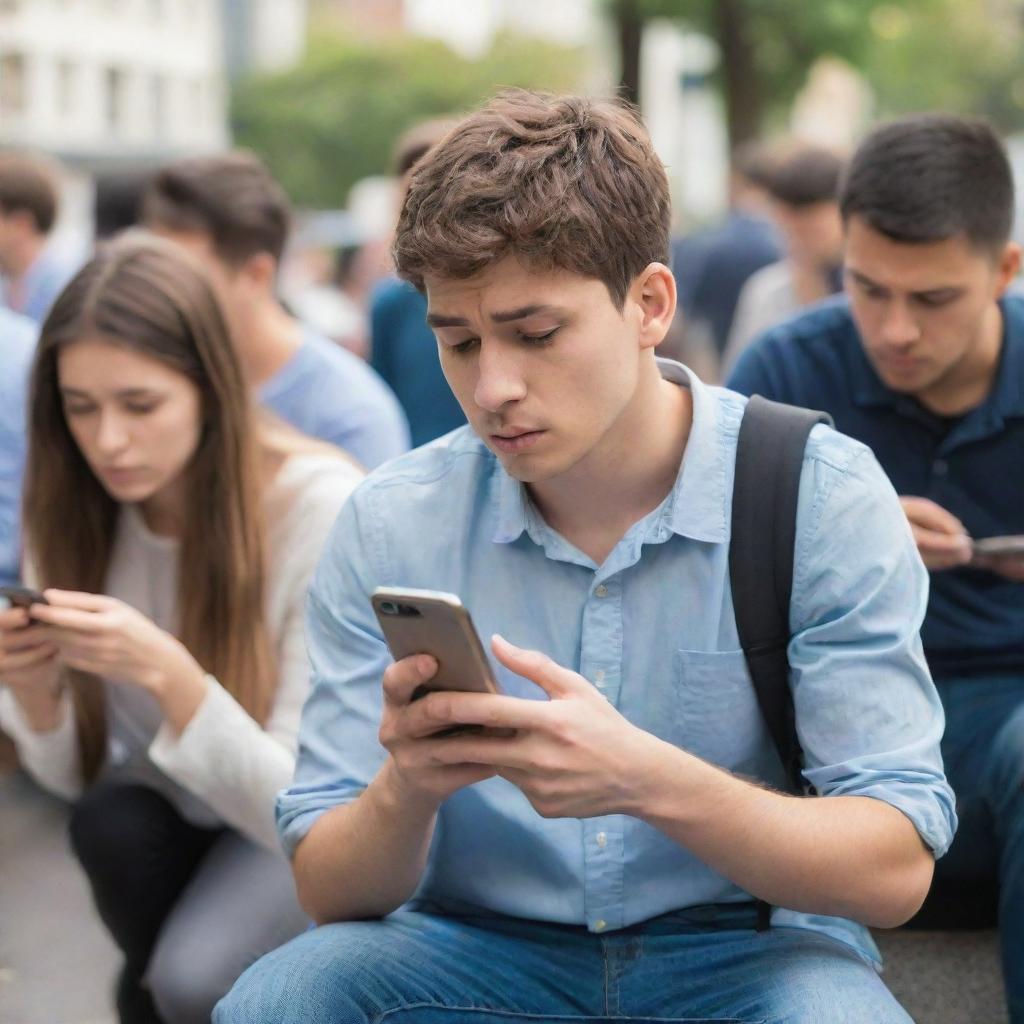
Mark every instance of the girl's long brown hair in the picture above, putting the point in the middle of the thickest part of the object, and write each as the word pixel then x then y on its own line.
pixel 147 295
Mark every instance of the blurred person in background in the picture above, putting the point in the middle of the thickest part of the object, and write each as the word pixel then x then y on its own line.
pixel 17 347
pixel 161 686
pixel 403 349
pixel 117 201
pixel 803 184
pixel 235 217
pixel 712 265
pixel 924 363
pixel 31 272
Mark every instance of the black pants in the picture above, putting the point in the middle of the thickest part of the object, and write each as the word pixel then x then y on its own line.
pixel 139 855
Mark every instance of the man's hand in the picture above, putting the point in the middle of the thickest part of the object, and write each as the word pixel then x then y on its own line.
pixel 1010 566
pixel 573 756
pixel 418 772
pixel 941 539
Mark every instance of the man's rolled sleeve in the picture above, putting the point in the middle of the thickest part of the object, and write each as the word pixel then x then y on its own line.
pixel 339 752
pixel 868 715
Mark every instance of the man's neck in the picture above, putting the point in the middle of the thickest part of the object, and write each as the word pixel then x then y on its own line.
pixel 628 474
pixel 19 258
pixel 270 339
pixel 970 381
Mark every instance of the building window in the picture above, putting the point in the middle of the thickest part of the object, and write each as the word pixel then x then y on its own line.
pixel 114 97
pixel 12 84
pixel 65 88
pixel 158 104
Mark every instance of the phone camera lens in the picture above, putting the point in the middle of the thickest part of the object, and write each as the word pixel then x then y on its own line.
pixel 389 607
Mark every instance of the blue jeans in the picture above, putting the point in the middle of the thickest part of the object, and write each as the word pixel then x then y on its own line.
pixel 983 750
pixel 705 964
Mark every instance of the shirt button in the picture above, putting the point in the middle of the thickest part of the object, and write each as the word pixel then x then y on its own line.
pixel 940 467
pixel 601 590
pixel 599 675
pixel 602 839
pixel 599 926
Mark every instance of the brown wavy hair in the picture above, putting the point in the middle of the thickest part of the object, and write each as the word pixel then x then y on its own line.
pixel 558 181
pixel 149 296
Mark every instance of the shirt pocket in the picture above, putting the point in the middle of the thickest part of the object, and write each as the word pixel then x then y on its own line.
pixel 713 710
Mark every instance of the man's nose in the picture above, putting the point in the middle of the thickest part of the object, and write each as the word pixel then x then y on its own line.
pixel 499 377
pixel 898 326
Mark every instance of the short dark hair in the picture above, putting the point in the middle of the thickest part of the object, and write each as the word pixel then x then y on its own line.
pixel 804 175
pixel 28 184
pixel 231 197
pixel 931 177
pixel 558 181
pixel 414 144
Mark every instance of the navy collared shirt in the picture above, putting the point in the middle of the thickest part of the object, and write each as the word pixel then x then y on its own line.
pixel 972 465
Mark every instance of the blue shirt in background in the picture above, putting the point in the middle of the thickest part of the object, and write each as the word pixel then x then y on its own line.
pixel 41 285
pixel 653 629
pixel 972 465
pixel 404 353
pixel 17 348
pixel 712 265
pixel 327 392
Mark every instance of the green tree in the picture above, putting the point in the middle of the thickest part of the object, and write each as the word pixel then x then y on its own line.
pixel 333 120
pixel 960 55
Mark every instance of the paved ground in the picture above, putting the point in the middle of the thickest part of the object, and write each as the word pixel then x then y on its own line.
pixel 57 965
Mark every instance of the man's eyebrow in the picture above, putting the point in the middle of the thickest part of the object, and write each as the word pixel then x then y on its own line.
pixel 504 317
pixel 864 279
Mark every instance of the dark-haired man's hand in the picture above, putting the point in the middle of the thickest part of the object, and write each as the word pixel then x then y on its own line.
pixel 941 539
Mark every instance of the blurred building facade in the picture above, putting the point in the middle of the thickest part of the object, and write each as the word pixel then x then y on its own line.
pixel 103 84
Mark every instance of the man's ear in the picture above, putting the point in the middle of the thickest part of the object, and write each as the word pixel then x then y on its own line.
pixel 654 294
pixel 1008 267
pixel 260 271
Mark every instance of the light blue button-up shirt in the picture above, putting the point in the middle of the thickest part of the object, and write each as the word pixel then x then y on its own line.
pixel 17 347
pixel 653 629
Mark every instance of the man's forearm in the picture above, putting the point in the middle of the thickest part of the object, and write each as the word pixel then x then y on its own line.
pixel 366 858
pixel 850 856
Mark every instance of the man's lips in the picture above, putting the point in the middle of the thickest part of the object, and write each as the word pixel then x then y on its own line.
pixel 513 441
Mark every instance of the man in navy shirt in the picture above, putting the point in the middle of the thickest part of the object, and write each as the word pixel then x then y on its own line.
pixel 924 362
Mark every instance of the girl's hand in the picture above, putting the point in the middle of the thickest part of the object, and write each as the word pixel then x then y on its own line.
pixel 29 665
pixel 109 638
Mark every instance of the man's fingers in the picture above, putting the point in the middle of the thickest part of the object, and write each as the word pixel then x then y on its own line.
pixel 555 680
pixel 925 513
pixel 403 677
pixel 444 708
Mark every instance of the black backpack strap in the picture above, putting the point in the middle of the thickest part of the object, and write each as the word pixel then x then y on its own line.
pixel 769 459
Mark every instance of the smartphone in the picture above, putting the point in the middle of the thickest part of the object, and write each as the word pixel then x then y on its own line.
pixel 435 623
pixel 22 597
pixel 1000 546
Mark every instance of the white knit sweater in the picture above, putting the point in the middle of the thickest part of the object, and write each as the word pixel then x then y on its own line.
pixel 224 768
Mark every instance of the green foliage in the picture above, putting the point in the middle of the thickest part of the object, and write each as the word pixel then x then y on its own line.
pixel 334 119
pixel 948 55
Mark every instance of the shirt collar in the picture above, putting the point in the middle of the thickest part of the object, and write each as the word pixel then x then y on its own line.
pixel 696 507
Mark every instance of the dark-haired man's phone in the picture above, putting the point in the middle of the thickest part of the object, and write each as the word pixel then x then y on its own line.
pixel 22 597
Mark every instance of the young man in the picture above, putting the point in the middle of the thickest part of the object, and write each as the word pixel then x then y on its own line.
pixel 804 189
pixel 603 861
pixel 17 347
pixel 31 274
pixel 403 350
pixel 924 362
pixel 230 211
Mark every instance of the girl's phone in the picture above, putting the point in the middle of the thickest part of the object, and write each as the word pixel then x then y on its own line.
pixel 435 623
pixel 22 597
